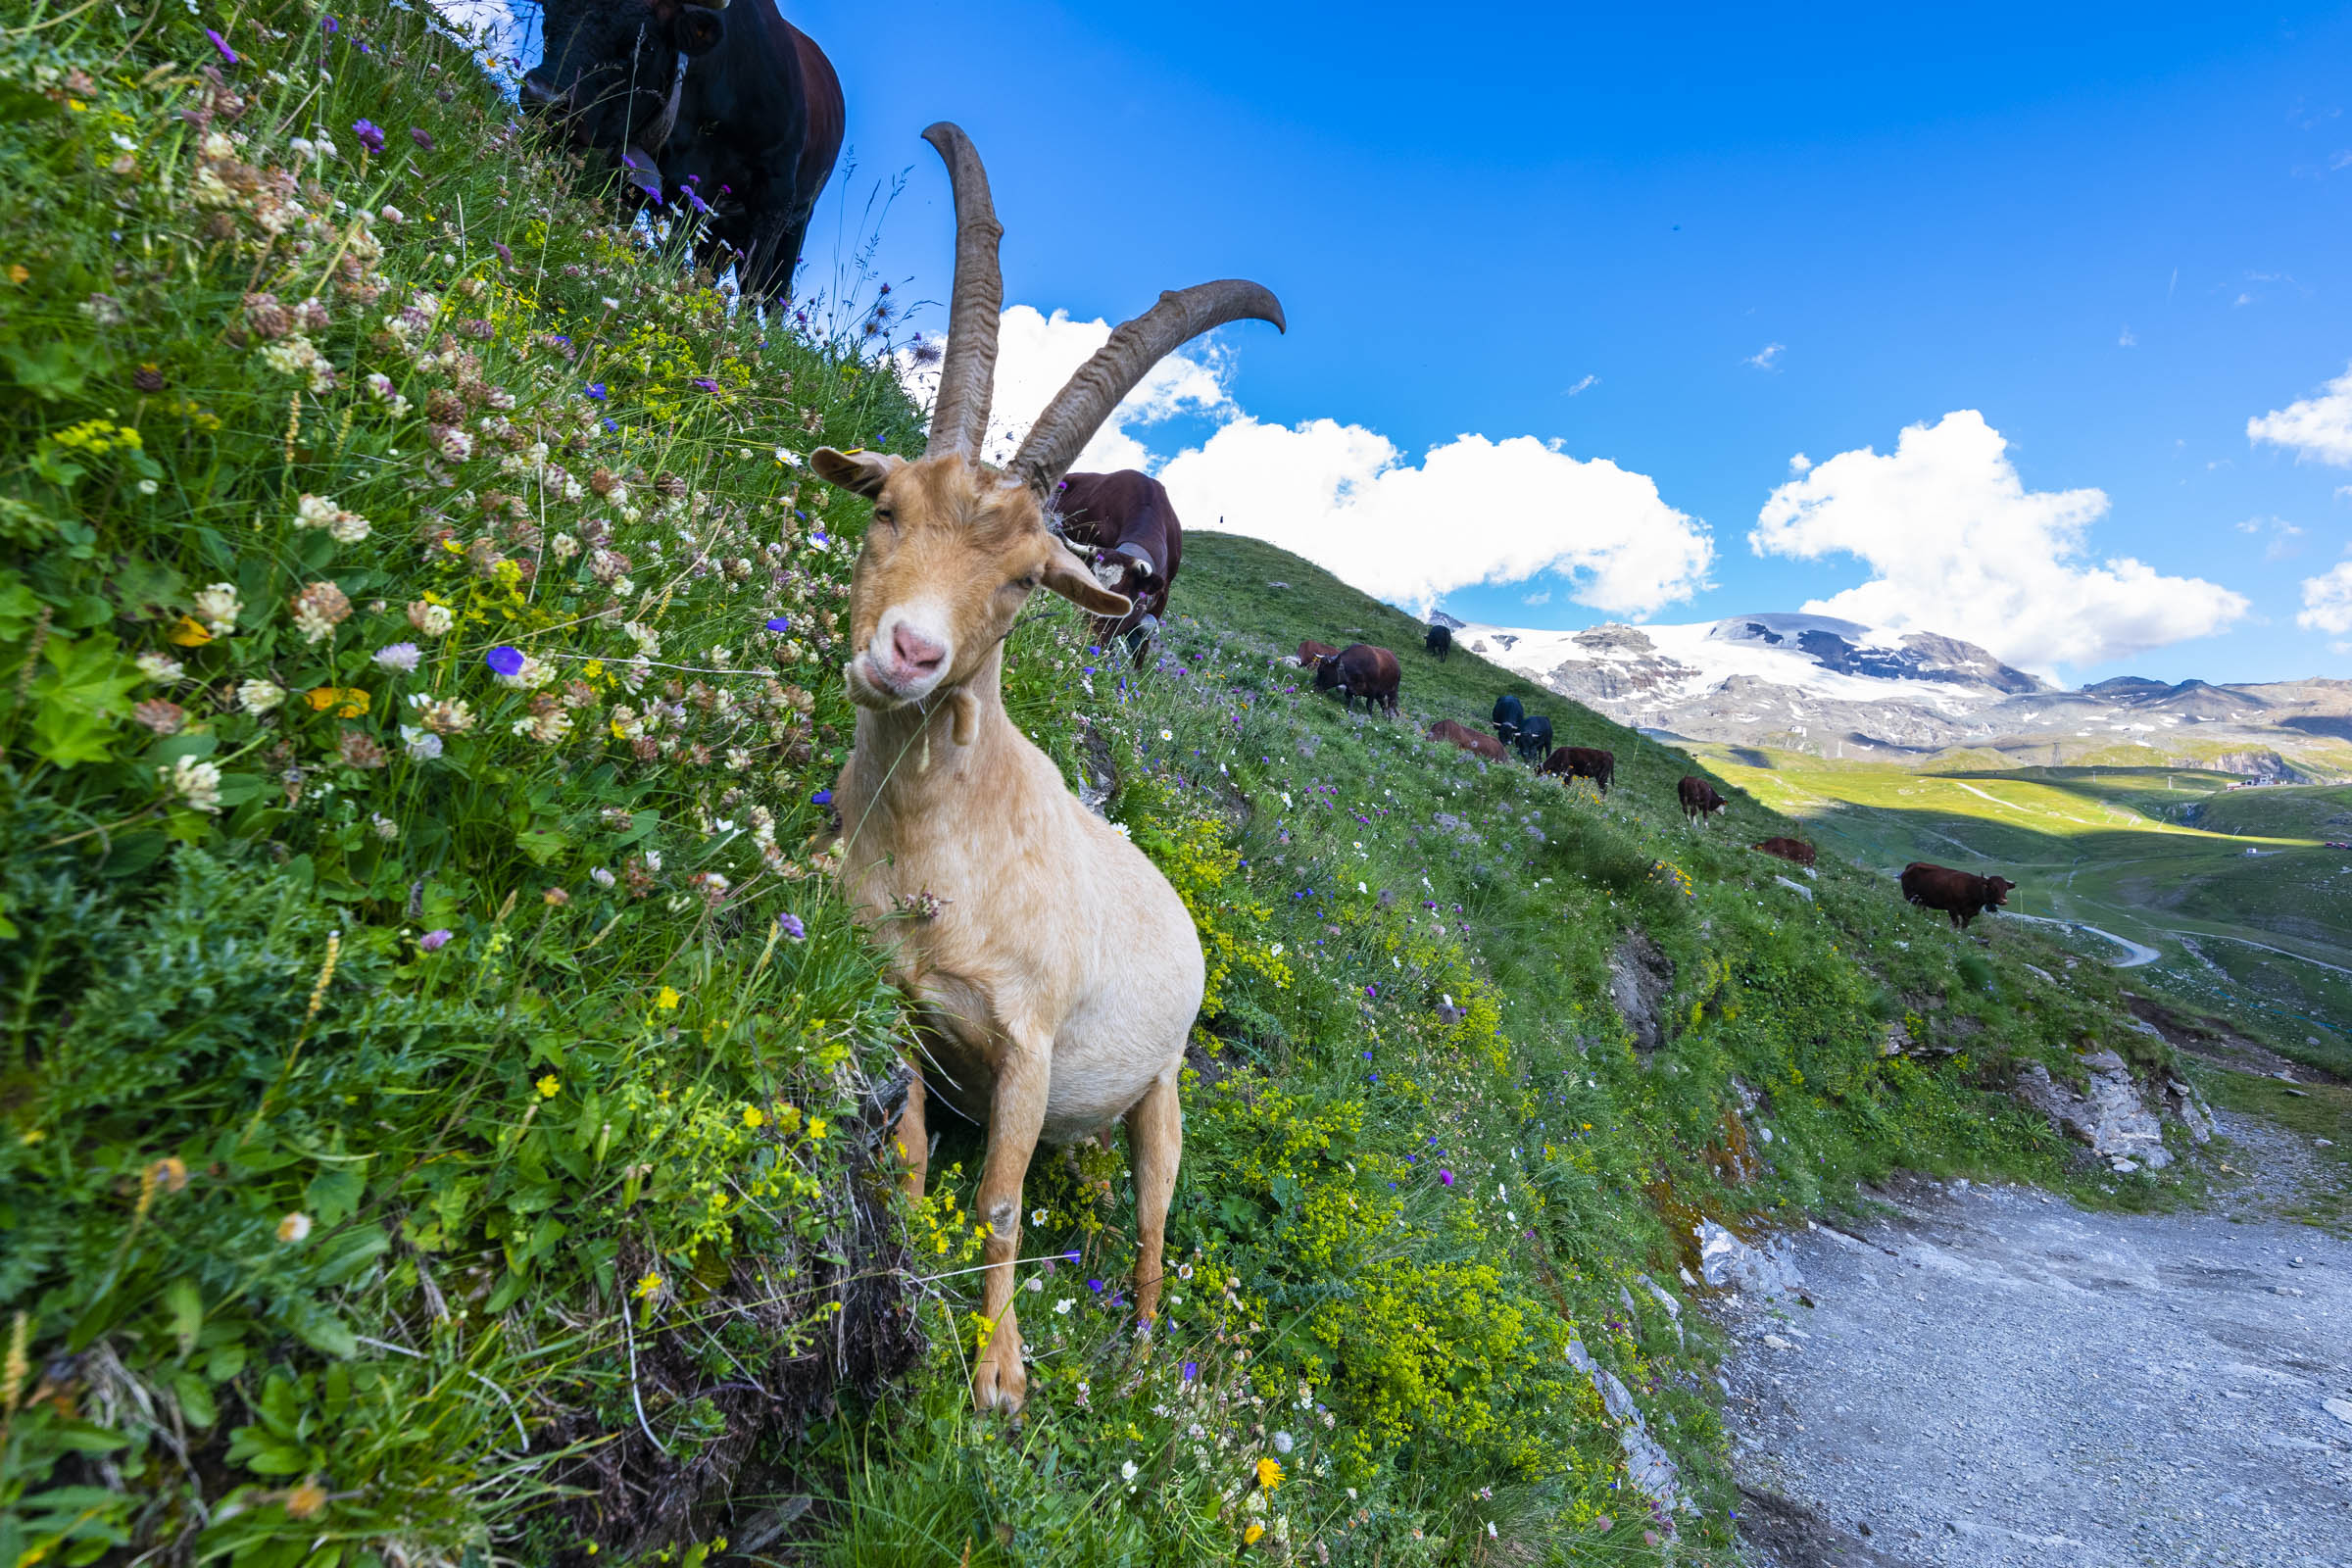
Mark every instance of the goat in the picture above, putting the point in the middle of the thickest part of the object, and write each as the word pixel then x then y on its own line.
pixel 1055 972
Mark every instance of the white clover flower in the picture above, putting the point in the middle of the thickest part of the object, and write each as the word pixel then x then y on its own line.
pixel 624 587
pixel 435 620
pixel 602 878
pixel 291 354
pixel 647 640
pixel 652 859
pixel 400 658
pixel 295 1227
pixel 260 696
pixel 219 607
pixel 162 668
pixel 422 745
pixel 215 145
pixel 198 783
pixel 386 828
pixel 315 512
pixel 564 546
pixel 349 529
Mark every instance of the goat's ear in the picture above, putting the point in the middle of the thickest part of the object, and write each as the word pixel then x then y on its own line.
pixel 860 472
pixel 1068 575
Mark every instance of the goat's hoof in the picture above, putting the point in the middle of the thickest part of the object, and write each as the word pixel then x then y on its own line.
pixel 1000 1384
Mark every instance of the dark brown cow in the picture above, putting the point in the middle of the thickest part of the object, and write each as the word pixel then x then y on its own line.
pixel 1961 895
pixel 1700 799
pixel 1796 851
pixel 1311 653
pixel 1468 739
pixel 1363 670
pixel 1583 762
pixel 1126 526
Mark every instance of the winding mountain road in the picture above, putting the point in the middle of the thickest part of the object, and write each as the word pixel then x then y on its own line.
pixel 1992 1378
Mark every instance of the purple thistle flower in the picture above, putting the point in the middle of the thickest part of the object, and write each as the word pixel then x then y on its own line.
pixel 433 941
pixel 505 255
pixel 421 138
pixel 370 134
pixel 507 661
pixel 822 798
pixel 221 44
pixel 1446 1177
pixel 790 925
pixel 328 26
pixel 779 623
pixel 595 391
pixel 706 383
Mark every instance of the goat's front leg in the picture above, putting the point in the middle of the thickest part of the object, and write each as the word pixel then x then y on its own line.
pixel 1016 1114
pixel 1155 1144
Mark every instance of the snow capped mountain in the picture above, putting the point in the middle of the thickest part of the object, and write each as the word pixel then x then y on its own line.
pixel 1837 688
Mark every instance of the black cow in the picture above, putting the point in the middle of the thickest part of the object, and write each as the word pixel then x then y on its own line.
pixel 1962 895
pixel 736 119
pixel 1126 526
pixel 1509 713
pixel 1534 739
pixel 1440 641
pixel 1583 762
pixel 1361 670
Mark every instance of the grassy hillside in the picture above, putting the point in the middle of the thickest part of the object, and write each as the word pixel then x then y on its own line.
pixel 441 1079
pixel 2235 888
pixel 1424 1147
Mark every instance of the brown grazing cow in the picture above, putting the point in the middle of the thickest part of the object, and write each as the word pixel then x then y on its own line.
pixel 1793 850
pixel 1700 799
pixel 1363 670
pixel 1125 525
pixel 1959 893
pixel 1583 762
pixel 1311 653
pixel 1468 739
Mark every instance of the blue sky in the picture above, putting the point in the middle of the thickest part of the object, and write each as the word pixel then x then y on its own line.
pixel 2117 233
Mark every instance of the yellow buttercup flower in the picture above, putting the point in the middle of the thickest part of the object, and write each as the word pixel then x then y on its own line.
pixel 1250 1535
pixel 190 632
pixel 754 1116
pixel 668 1000
pixel 549 1087
pixel 1269 1473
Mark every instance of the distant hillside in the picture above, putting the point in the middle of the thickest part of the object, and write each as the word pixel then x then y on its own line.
pixel 1840 690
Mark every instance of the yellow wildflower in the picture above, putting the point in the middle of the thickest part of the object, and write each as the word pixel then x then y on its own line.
pixel 647 1286
pixel 190 632
pixel 1269 1473
pixel 816 1126
pixel 1250 1535
pixel 668 1000
pixel 550 1086
pixel 754 1116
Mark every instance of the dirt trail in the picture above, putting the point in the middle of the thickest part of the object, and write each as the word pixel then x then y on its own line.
pixel 1992 1378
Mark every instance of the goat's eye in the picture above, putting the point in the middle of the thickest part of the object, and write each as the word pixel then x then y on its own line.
pixel 1024 584
pixel 885 516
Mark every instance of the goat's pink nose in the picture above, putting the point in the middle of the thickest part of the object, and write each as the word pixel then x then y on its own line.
pixel 915 653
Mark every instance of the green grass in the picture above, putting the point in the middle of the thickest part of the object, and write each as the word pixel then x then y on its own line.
pixel 445 1135
pixel 2158 856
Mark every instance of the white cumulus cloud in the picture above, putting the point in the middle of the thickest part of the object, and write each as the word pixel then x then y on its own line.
pixel 1957 544
pixel 1036 353
pixel 1766 357
pixel 1473 510
pixel 2319 426
pixel 2327 600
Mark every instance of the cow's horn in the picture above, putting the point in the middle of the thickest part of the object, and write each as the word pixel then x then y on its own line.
pixel 968 371
pixel 1079 409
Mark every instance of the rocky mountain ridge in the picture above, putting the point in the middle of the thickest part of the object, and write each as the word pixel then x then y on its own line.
pixel 1834 688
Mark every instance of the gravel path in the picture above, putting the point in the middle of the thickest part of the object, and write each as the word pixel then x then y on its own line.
pixel 1992 1378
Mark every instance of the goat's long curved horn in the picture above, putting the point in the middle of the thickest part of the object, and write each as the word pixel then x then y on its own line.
pixel 968 371
pixel 1079 409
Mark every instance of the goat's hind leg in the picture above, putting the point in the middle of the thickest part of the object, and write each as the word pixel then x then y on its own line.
pixel 1155 1146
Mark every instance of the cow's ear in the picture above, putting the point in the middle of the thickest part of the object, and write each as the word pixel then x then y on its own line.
pixel 860 472
pixel 698 31
pixel 1066 575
